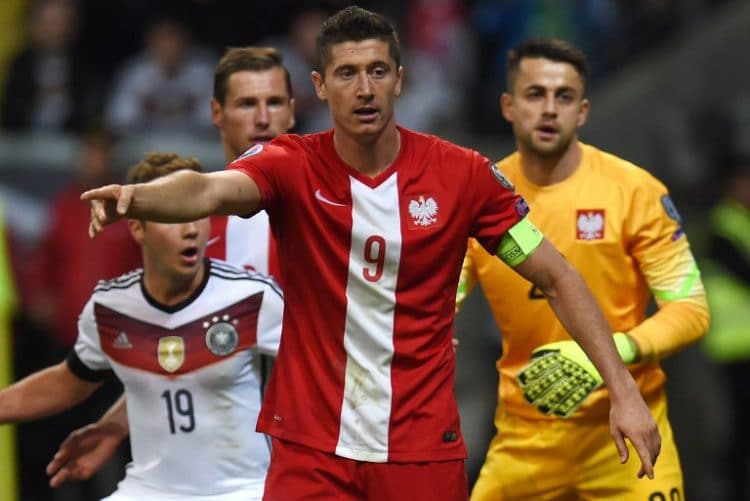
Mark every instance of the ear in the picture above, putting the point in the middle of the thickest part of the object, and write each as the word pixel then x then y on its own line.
pixel 137 230
pixel 583 112
pixel 400 78
pixel 320 85
pixel 292 119
pixel 506 106
pixel 217 114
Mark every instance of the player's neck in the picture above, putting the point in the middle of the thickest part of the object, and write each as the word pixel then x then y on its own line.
pixel 371 155
pixel 229 155
pixel 547 170
pixel 168 290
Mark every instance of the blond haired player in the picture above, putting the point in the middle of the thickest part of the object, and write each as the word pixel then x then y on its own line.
pixel 185 336
pixel 252 104
pixel 617 225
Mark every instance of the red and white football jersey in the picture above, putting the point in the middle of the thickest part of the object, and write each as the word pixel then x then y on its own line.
pixel 246 242
pixel 192 376
pixel 366 367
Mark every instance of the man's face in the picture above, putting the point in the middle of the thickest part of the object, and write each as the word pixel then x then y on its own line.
pixel 174 251
pixel 361 84
pixel 545 106
pixel 257 108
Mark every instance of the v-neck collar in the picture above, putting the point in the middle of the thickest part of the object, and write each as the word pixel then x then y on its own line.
pixel 373 182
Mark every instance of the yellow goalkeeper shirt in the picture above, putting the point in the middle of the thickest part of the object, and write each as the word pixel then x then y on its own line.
pixel 616 224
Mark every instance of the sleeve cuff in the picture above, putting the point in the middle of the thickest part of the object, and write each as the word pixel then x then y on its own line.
pixel 77 367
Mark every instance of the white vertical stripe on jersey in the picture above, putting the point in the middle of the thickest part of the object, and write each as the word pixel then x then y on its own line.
pixel 368 339
pixel 247 241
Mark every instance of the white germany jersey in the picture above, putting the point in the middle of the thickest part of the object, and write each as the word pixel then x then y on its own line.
pixel 192 376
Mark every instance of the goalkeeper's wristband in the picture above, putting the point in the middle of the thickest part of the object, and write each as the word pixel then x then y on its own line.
pixel 626 347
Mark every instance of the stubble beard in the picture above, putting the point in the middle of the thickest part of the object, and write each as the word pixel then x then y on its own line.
pixel 547 150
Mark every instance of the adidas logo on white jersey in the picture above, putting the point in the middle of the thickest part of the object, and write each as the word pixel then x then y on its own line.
pixel 122 341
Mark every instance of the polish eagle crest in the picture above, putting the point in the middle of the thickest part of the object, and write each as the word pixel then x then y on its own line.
pixel 590 225
pixel 423 212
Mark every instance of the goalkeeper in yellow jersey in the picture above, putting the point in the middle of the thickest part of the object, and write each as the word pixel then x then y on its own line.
pixel 617 225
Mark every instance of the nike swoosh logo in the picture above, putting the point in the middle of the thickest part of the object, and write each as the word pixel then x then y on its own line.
pixel 323 199
pixel 213 240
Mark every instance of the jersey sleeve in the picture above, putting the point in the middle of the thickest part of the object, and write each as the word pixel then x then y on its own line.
pixel 270 320
pixel 497 206
pixel 661 249
pixel 266 165
pixel 87 360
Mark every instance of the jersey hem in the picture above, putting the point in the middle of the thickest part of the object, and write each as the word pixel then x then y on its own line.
pixel 455 453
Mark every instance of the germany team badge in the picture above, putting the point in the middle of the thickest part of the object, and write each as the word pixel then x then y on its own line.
pixel 222 339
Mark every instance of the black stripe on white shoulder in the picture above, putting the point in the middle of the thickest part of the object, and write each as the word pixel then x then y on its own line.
pixel 227 268
pixel 228 271
pixel 122 282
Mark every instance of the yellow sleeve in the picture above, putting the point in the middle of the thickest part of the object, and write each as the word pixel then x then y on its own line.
pixel 468 278
pixel 663 255
pixel 676 325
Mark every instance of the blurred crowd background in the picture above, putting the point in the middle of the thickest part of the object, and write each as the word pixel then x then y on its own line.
pixel 86 87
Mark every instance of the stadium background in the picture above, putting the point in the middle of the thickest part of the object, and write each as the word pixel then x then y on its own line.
pixel 670 91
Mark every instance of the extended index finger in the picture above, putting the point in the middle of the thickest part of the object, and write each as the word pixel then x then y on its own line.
pixel 103 192
pixel 123 199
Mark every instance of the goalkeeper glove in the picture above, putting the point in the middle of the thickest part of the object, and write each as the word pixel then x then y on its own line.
pixel 560 376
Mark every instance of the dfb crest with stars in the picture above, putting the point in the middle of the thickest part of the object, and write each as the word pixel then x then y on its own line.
pixel 221 337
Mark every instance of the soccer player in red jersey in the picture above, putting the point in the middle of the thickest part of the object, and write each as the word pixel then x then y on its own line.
pixel 371 222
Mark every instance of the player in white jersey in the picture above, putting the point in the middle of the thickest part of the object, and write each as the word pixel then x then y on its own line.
pixel 252 103
pixel 184 335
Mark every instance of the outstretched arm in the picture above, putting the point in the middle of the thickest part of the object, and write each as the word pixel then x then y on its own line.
pixel 179 197
pixel 87 449
pixel 575 306
pixel 43 394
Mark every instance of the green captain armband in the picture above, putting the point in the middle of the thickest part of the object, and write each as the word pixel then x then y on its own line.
pixel 519 242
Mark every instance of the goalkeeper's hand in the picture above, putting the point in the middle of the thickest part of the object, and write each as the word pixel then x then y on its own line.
pixel 560 376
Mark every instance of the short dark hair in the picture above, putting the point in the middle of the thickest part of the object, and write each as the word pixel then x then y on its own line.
pixel 247 59
pixel 158 164
pixel 354 24
pixel 553 49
